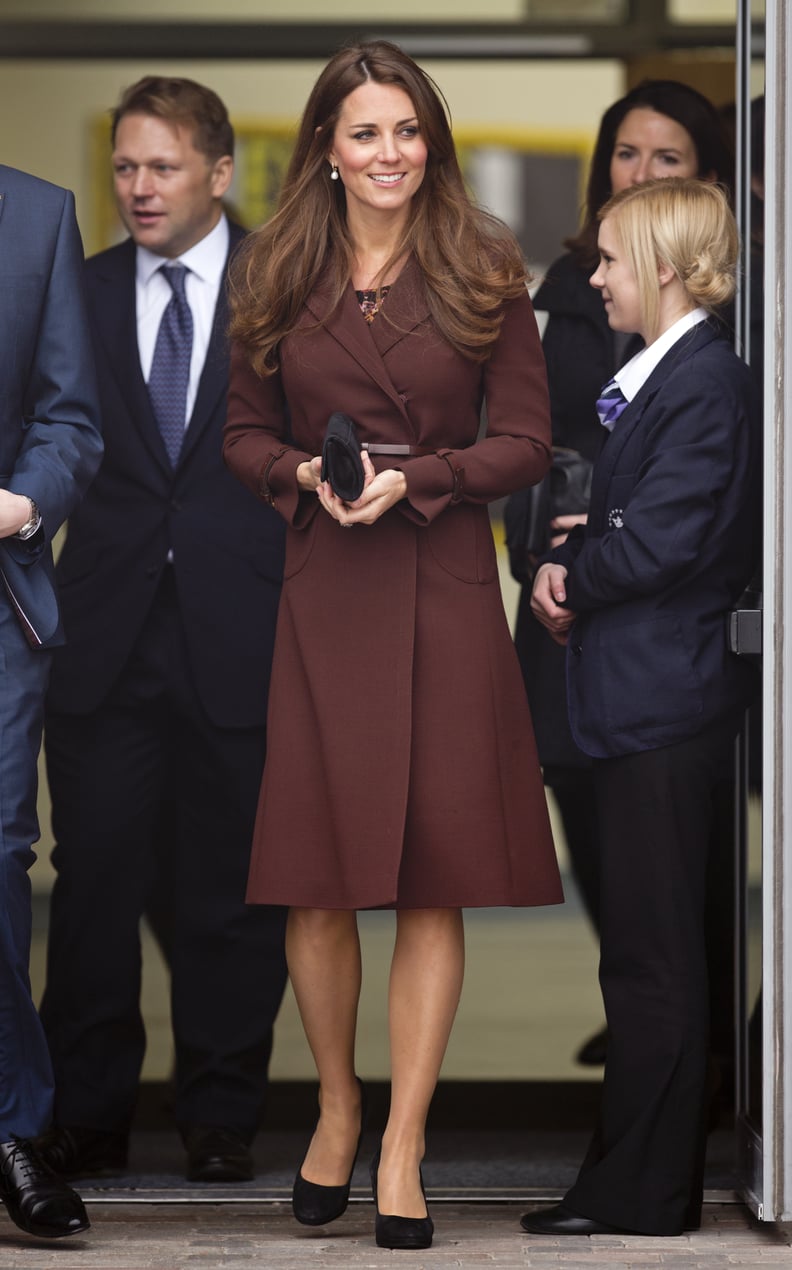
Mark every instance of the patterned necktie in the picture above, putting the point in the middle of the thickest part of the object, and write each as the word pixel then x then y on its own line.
pixel 170 367
pixel 610 404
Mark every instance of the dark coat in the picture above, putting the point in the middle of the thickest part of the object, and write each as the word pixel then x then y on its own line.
pixel 402 768
pixel 671 542
pixel 227 546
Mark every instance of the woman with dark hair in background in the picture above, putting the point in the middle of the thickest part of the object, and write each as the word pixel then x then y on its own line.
pixel 401 768
pixel 661 128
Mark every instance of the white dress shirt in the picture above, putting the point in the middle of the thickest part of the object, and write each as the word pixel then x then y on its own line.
pixel 206 262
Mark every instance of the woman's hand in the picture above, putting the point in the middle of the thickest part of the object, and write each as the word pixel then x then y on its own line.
pixel 549 592
pixel 561 526
pixel 309 474
pixel 381 491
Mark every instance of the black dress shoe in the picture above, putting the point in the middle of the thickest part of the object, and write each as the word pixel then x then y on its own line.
pixel 37 1200
pixel 594 1051
pixel 215 1154
pixel 560 1220
pixel 79 1152
pixel 391 1231
pixel 316 1205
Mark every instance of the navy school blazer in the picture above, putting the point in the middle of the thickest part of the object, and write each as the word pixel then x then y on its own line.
pixel 671 542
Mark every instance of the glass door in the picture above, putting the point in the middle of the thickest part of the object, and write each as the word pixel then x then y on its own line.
pixel 765 1051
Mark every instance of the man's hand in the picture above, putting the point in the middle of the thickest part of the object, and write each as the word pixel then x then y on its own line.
pixel 549 592
pixel 14 512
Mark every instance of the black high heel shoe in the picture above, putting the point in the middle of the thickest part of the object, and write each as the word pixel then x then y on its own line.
pixel 315 1205
pixel 391 1231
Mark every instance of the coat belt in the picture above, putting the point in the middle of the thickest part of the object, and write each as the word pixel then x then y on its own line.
pixel 406 451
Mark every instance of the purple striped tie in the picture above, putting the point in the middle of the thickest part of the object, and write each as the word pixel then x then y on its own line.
pixel 610 404
pixel 170 367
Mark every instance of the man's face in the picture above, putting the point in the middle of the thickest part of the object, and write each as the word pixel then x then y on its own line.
pixel 168 193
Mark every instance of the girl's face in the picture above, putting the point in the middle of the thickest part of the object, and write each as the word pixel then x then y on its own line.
pixel 650 145
pixel 617 283
pixel 378 148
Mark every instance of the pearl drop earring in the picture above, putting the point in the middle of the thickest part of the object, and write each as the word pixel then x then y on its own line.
pixel 333 172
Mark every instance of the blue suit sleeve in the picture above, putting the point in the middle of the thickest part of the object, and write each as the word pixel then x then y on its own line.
pixel 61 443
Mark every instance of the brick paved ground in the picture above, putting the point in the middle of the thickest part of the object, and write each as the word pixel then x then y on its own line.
pixel 249 1236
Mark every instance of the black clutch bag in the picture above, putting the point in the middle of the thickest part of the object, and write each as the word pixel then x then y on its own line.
pixel 342 465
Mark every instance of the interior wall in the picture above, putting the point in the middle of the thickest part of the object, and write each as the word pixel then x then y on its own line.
pixel 56 103
pixel 265 10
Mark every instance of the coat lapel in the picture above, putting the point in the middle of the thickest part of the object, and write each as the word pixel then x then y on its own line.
pixel 117 329
pixel 404 308
pixel 214 377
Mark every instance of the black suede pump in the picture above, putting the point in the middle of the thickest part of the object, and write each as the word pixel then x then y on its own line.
pixel 315 1205
pixel 399 1232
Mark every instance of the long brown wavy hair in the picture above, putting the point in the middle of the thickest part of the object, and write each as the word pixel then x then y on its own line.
pixel 470 260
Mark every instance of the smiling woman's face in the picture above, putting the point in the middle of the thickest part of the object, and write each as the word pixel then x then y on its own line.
pixel 378 149
pixel 616 282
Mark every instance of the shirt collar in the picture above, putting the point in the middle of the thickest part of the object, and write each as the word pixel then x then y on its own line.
pixel 634 374
pixel 206 259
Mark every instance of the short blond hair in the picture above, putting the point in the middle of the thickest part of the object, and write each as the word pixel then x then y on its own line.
pixel 685 224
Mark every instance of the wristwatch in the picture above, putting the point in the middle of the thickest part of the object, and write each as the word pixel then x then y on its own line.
pixel 31 524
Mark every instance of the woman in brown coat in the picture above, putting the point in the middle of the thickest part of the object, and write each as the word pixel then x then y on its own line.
pixel 401 769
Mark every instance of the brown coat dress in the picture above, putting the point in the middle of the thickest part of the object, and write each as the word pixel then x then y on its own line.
pixel 401 768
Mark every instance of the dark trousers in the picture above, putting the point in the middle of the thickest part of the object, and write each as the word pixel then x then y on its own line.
pixel 644 1167
pixel 147 759
pixel 25 1072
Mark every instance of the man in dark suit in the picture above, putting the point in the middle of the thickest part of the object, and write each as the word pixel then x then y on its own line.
pixel 50 447
pixel 155 729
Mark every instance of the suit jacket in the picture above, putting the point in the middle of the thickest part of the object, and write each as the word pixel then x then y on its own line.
pixel 227 547
pixel 50 443
pixel 671 542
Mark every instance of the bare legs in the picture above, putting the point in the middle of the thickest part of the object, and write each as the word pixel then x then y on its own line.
pixel 323 954
pixel 427 969
pixel 425 984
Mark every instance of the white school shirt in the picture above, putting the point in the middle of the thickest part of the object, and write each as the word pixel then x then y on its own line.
pixel 634 374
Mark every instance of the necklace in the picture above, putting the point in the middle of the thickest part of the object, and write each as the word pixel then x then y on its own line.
pixel 370 301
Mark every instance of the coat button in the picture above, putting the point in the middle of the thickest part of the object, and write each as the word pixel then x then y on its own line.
pixel 577 649
pixel 175 505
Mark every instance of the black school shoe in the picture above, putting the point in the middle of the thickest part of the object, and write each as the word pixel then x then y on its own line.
pixel 216 1154
pixel 38 1201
